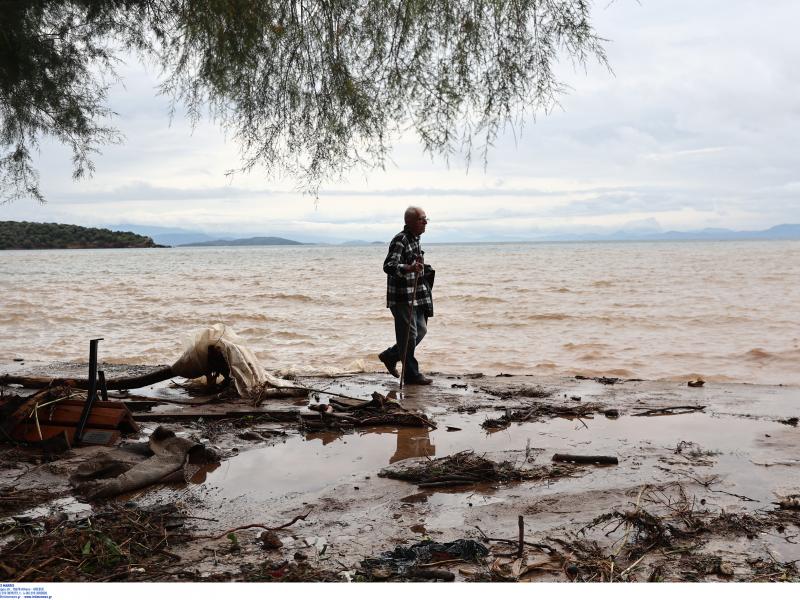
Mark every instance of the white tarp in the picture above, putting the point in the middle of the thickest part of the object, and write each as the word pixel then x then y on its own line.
pixel 245 370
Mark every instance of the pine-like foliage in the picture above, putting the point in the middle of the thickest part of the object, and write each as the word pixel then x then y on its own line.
pixel 308 88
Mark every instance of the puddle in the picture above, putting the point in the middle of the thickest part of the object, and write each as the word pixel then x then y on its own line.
pixel 645 447
pixel 70 507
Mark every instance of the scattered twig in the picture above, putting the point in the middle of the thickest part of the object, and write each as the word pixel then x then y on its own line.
pixel 486 538
pixel 251 526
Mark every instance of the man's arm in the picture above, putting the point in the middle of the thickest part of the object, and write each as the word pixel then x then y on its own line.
pixel 393 265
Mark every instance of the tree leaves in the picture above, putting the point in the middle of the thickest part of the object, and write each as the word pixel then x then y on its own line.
pixel 308 88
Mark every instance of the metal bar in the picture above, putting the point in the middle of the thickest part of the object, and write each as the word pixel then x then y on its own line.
pixel 101 378
pixel 92 394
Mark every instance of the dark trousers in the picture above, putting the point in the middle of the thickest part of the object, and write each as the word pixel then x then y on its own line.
pixel 417 331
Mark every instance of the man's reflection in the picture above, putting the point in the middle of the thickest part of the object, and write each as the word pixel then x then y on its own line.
pixel 412 443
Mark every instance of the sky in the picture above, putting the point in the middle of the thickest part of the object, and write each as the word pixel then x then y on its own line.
pixel 698 126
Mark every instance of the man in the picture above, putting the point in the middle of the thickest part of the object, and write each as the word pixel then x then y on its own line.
pixel 404 266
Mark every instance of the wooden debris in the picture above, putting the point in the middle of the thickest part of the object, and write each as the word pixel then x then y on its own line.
pixel 585 459
pixel 464 468
pixel 44 418
pixel 669 410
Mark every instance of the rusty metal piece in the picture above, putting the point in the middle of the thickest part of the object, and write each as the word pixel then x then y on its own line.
pixel 101 378
pixel 90 397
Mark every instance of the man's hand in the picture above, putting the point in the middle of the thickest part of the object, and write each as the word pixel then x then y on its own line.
pixel 414 267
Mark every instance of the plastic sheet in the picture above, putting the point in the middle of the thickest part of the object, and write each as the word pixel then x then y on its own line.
pixel 245 371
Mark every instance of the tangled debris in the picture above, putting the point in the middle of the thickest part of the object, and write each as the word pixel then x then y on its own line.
pixel 287 571
pixel 118 544
pixel 541 409
pixel 519 392
pixel 422 561
pixel 14 501
pixel 466 468
pixel 664 542
pixel 341 413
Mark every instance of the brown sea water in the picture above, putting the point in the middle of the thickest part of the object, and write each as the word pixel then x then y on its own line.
pixel 726 311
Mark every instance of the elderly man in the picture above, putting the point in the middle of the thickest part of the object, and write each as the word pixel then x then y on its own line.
pixel 404 267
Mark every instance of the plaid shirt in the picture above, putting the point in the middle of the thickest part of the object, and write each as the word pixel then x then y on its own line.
pixel 403 248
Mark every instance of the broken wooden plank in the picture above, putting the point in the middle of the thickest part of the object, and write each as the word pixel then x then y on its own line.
pixel 99 418
pixel 53 434
pixel 275 415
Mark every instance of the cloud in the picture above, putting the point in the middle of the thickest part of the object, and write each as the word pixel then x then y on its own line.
pixel 694 129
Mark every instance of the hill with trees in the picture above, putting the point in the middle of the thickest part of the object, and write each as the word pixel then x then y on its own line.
pixel 24 235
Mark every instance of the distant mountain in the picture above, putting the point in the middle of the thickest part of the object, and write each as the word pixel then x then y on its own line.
pixel 170 236
pixel 778 232
pixel 359 243
pixel 253 241
pixel 24 235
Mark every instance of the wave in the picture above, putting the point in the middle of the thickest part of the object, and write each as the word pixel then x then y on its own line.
pixel 758 354
pixel 295 297
pixel 585 346
pixel 472 299
pixel 762 355
pixel 549 317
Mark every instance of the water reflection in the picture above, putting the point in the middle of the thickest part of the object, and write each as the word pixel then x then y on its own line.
pixel 413 443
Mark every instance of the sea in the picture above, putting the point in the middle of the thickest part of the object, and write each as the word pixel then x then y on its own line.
pixel 722 311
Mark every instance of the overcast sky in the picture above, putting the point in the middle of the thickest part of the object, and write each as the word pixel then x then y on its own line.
pixel 698 126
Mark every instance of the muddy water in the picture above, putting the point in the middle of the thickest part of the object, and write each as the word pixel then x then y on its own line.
pixel 726 311
pixel 730 447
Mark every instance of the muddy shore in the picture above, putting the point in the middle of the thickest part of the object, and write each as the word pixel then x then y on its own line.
pixel 696 494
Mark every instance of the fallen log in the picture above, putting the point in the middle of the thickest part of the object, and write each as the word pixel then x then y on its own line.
pixel 586 459
pixel 118 383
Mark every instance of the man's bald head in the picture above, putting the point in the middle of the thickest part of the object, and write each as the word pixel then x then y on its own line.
pixel 416 220
pixel 411 214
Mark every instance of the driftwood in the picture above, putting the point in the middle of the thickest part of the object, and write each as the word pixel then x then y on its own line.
pixel 668 410
pixel 586 459
pixel 118 383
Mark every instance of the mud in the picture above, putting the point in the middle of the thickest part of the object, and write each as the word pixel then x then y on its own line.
pixel 695 496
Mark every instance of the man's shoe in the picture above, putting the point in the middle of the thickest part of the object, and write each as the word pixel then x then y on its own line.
pixel 419 380
pixel 390 365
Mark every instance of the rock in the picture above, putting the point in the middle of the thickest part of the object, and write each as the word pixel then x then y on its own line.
pixel 269 540
pixel 381 573
pixel 725 569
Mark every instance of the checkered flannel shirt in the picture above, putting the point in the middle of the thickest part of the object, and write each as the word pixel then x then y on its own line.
pixel 399 284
